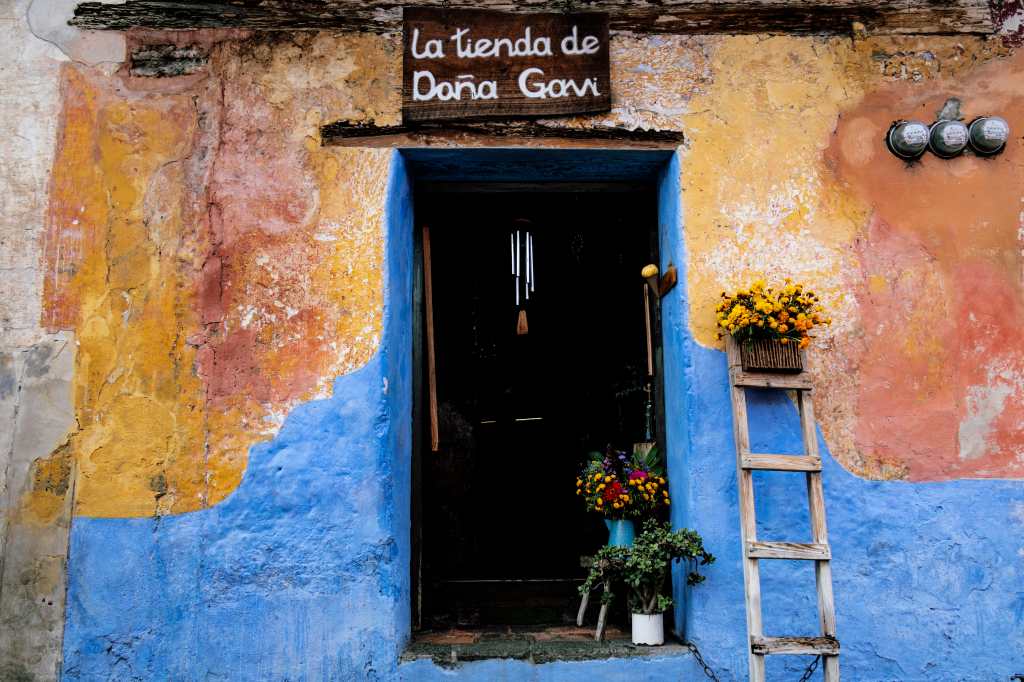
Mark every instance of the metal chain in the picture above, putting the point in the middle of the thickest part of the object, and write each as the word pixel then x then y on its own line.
pixel 711 673
pixel 810 669
pixel 700 659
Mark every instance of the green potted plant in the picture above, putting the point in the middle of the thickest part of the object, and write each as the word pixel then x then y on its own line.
pixel 645 569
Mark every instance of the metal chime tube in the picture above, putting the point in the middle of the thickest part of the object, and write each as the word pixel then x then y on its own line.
pixel 522 274
pixel 515 269
pixel 529 264
pixel 533 279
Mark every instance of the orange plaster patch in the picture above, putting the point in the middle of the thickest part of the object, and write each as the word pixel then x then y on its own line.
pixel 215 270
pixel 940 287
pixel 75 217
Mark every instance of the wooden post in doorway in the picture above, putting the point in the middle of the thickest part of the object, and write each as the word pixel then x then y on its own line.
pixel 428 305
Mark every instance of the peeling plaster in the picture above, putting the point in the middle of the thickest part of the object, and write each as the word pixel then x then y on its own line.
pixel 48 20
pixel 985 405
pixel 221 274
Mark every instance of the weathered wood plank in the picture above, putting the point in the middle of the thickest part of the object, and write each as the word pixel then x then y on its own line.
pixel 819 551
pixel 345 133
pixel 805 551
pixel 666 16
pixel 781 462
pixel 799 382
pixel 428 301
pixel 826 646
pixel 165 60
pixel 819 526
pixel 748 517
pixel 442 51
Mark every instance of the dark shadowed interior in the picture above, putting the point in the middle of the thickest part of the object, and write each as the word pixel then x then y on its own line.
pixel 502 529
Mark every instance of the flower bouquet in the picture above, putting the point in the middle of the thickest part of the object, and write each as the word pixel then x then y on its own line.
pixel 771 325
pixel 623 488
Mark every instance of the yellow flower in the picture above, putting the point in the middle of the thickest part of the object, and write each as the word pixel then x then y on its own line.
pixel 600 487
pixel 783 340
pixel 579 492
pixel 607 479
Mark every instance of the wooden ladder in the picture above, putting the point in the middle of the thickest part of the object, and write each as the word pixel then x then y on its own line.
pixel 754 550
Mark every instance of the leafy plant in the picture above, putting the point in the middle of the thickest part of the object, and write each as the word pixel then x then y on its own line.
pixel 646 566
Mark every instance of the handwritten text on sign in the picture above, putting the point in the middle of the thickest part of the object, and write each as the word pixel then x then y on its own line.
pixel 465 64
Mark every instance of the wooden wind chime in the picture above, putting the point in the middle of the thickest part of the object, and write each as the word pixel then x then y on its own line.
pixel 521 240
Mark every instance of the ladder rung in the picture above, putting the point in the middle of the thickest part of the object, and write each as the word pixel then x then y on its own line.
pixel 814 646
pixel 782 462
pixel 788 550
pixel 799 382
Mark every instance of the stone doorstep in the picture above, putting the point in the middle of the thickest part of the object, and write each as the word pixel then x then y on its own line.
pixel 451 647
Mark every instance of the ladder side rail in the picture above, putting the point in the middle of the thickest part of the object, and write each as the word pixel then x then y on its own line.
pixel 748 521
pixel 819 534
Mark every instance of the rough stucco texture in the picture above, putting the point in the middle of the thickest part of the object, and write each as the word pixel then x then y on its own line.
pixel 786 176
pixel 35 367
pixel 218 266
pixel 223 275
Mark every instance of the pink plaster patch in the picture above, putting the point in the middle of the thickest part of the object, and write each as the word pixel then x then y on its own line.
pixel 941 370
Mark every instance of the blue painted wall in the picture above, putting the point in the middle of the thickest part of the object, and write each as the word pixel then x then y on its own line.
pixel 303 573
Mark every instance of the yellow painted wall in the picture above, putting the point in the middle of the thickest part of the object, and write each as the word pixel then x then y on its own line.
pixel 225 266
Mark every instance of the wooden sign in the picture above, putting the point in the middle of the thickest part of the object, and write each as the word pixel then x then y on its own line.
pixel 473 64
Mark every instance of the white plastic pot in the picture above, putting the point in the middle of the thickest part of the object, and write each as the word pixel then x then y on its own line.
pixel 649 629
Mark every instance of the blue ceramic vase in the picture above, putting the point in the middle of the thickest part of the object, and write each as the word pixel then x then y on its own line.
pixel 620 532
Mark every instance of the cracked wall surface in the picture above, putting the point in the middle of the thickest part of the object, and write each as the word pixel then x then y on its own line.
pixel 185 267
pixel 219 267
pixel 35 366
pixel 207 199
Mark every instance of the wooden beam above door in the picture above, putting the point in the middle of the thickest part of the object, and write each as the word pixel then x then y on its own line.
pixel 494 134
pixel 654 16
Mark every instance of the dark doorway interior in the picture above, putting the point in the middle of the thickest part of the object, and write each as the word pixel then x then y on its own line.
pixel 502 531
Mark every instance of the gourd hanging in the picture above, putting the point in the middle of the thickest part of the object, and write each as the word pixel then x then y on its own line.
pixel 521 241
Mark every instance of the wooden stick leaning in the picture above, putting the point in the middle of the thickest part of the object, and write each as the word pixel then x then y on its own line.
pixel 428 299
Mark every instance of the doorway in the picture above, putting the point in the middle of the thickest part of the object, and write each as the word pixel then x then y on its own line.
pixel 501 532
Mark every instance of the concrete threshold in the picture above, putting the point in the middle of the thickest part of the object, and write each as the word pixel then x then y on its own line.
pixel 543 645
